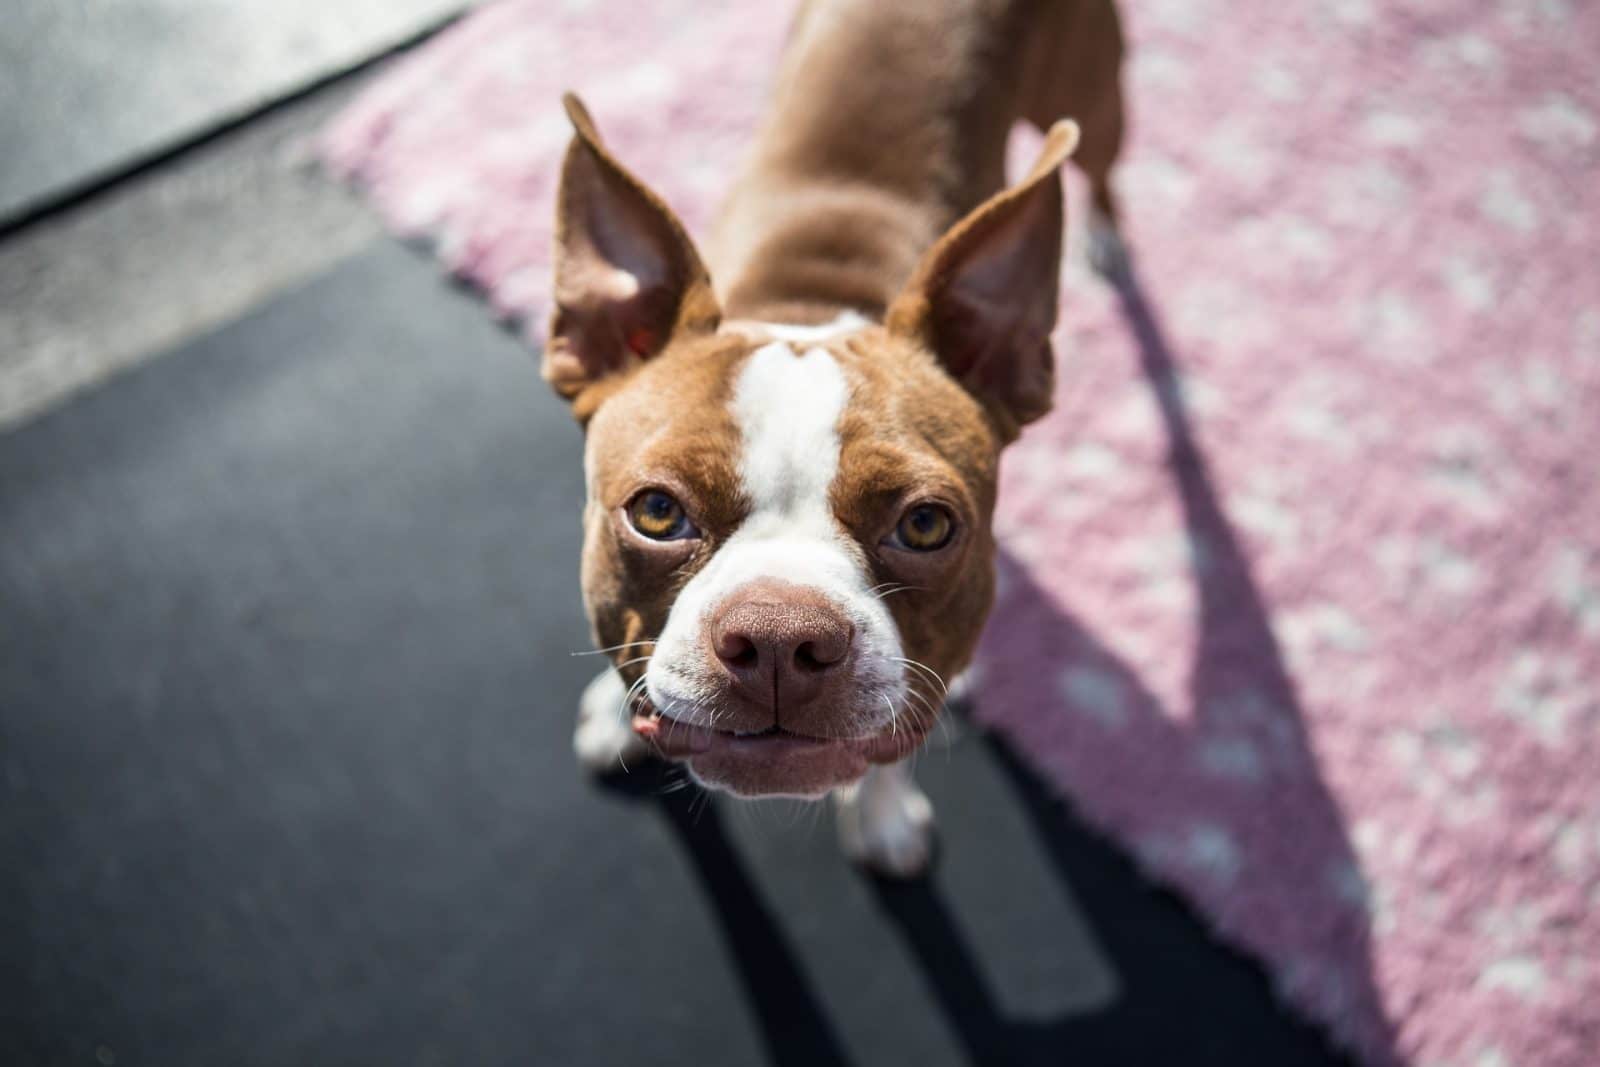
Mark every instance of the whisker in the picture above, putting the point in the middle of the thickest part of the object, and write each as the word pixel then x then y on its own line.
pixel 626 707
pixel 612 648
pixel 627 712
pixel 924 702
pixel 927 715
pixel 945 689
pixel 926 720
pixel 700 805
pixel 946 737
pixel 918 685
pixel 814 817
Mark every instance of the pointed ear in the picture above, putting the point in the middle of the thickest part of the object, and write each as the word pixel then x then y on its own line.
pixel 627 278
pixel 983 298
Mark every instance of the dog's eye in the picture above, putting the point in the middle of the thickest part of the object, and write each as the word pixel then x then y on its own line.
pixel 659 517
pixel 924 528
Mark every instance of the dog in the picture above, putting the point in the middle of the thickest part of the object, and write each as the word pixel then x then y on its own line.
pixel 791 470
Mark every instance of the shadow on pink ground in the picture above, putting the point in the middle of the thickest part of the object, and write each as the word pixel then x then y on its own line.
pixel 1270 861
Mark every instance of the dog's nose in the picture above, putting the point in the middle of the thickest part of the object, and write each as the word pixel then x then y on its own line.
pixel 780 643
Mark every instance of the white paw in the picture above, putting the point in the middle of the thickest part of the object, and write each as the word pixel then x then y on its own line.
pixel 603 739
pixel 1108 256
pixel 886 824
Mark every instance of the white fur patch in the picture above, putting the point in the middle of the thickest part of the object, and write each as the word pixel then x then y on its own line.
pixel 788 407
pixel 886 822
pixel 848 322
pixel 788 410
pixel 603 739
pixel 843 325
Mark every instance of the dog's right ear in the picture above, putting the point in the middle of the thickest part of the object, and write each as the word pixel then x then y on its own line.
pixel 627 277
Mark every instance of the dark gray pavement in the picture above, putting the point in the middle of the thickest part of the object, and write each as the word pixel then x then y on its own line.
pixel 177 251
pixel 88 88
pixel 285 692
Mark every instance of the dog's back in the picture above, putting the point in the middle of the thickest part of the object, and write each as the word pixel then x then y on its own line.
pixel 888 123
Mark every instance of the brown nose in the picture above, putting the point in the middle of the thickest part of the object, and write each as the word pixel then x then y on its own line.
pixel 780 643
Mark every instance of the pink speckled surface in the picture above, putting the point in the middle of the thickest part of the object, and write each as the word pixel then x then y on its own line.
pixel 1301 581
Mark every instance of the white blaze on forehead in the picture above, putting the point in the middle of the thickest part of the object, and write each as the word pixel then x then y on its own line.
pixel 845 323
pixel 787 406
pixel 788 409
pixel 842 325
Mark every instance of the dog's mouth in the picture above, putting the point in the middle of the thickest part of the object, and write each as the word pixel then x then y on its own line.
pixel 676 739
pixel 774 761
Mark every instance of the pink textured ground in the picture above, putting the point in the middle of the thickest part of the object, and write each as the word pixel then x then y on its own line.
pixel 1301 587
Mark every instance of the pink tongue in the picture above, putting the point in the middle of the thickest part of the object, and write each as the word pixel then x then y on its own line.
pixel 889 748
pixel 673 738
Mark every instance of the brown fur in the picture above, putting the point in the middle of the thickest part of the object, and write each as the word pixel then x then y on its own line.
pixel 887 130
pixel 671 427
pixel 912 434
pixel 888 123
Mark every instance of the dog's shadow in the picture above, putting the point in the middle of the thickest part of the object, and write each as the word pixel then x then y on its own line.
pixel 1240 691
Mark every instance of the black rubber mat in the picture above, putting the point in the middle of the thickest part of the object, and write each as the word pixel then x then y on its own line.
pixel 285 696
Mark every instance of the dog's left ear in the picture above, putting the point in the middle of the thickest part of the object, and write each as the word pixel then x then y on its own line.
pixel 627 277
pixel 984 297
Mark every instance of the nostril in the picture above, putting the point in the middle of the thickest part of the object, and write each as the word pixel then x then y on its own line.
pixel 822 652
pixel 805 657
pixel 737 650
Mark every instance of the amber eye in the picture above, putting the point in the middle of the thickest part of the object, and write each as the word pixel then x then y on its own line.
pixel 659 517
pixel 924 528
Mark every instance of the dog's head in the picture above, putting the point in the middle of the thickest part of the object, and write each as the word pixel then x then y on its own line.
pixel 787 538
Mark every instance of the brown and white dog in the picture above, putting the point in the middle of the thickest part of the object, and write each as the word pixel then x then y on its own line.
pixel 791 471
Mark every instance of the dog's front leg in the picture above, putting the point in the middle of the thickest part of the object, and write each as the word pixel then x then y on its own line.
pixel 604 739
pixel 886 823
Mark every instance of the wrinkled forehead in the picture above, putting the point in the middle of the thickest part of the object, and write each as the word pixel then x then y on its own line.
pixel 781 419
pixel 670 420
